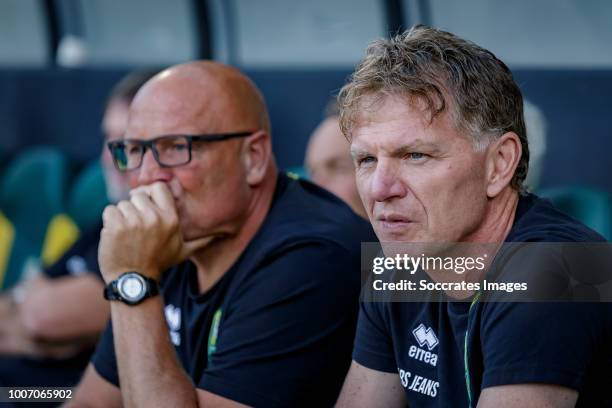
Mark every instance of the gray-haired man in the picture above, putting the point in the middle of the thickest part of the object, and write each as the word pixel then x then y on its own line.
pixel 439 144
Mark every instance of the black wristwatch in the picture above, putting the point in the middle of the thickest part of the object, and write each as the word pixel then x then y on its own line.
pixel 131 288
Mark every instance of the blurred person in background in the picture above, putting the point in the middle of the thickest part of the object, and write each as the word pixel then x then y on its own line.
pixel 328 160
pixel 50 322
pixel 259 272
pixel 537 127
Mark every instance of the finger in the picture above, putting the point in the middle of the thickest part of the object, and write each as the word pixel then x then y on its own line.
pixel 129 212
pixel 146 190
pixel 190 247
pixel 112 216
pixel 143 203
pixel 161 195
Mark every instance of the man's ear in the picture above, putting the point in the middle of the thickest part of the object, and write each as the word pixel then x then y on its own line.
pixel 256 153
pixel 502 159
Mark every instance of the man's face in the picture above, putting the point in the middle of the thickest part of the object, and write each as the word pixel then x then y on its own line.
pixel 114 124
pixel 210 191
pixel 329 163
pixel 419 182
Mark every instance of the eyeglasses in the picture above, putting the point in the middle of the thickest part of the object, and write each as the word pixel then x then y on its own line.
pixel 168 151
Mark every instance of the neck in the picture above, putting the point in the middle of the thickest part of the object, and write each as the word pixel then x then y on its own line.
pixel 218 257
pixel 499 217
pixel 498 220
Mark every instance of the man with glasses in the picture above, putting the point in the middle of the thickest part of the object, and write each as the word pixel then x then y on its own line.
pixel 50 323
pixel 261 271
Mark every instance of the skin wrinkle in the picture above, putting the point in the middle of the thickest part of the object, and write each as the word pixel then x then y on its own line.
pixel 419 191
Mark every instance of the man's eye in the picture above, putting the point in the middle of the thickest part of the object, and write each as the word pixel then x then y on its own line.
pixel 366 160
pixel 416 156
pixel 133 149
pixel 179 147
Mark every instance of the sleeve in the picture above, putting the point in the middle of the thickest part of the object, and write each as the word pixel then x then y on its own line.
pixel 103 359
pixel 549 343
pixel 373 344
pixel 549 339
pixel 292 323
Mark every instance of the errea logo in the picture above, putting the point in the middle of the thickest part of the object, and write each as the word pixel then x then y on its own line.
pixel 425 336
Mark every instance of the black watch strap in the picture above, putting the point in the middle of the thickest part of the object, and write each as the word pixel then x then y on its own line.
pixel 110 291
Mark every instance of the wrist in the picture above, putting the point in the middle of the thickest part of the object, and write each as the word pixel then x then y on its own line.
pixel 113 274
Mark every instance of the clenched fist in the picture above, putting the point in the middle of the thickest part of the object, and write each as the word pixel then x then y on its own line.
pixel 143 235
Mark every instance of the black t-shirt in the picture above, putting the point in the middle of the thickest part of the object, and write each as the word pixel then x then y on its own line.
pixel 82 257
pixel 277 329
pixel 568 344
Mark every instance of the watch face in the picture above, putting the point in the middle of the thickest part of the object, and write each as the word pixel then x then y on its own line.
pixel 132 287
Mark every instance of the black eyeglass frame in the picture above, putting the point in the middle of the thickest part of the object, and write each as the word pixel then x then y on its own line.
pixel 150 144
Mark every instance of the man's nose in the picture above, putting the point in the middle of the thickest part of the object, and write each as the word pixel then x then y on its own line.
pixel 150 171
pixel 387 183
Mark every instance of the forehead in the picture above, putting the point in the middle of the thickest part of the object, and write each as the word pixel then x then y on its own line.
pixel 115 119
pixel 165 116
pixel 180 107
pixel 394 121
pixel 327 142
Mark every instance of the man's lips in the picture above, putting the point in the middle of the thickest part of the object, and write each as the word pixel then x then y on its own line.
pixel 393 221
pixel 393 218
